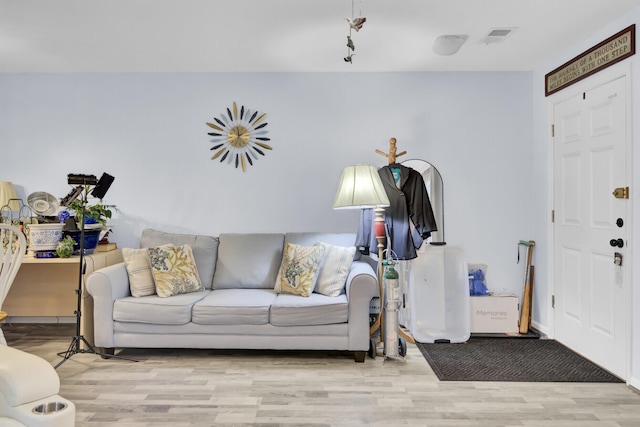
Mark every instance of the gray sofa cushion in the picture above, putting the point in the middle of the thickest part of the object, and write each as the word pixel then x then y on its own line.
pixel 205 249
pixel 317 309
pixel 234 307
pixel 175 310
pixel 248 261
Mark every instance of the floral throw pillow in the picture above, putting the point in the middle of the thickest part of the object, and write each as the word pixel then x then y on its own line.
pixel 299 269
pixel 174 270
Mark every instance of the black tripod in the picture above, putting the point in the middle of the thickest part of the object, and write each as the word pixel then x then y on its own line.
pixel 76 343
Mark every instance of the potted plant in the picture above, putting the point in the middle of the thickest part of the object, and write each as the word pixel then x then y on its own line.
pixel 93 214
pixel 95 222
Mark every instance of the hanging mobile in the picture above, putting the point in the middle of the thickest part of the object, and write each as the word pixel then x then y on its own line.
pixel 355 23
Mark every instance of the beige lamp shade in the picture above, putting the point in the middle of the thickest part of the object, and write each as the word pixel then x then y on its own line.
pixel 8 192
pixel 360 187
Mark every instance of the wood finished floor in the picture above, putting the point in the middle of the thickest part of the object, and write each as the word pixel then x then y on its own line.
pixel 187 388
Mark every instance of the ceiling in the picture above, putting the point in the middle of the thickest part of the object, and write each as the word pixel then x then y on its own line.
pixel 289 35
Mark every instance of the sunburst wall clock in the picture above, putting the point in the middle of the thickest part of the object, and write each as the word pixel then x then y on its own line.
pixel 240 136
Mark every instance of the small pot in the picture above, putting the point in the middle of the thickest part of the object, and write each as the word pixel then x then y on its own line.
pixel 91 239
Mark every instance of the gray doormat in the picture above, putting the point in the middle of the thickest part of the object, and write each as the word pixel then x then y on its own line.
pixel 524 360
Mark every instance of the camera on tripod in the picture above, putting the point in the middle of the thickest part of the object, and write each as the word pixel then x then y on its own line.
pixel 76 178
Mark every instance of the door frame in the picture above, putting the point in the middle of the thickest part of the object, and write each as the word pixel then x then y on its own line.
pixel 622 69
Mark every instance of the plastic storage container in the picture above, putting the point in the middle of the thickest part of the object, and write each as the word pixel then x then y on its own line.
pixel 438 295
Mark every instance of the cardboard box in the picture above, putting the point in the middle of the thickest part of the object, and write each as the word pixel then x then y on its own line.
pixel 495 314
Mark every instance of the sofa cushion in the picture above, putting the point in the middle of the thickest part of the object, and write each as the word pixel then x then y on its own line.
pixel 205 249
pixel 234 307
pixel 317 309
pixel 154 309
pixel 299 269
pixel 334 269
pixel 248 261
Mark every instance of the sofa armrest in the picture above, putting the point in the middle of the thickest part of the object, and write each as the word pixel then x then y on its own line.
pixel 105 286
pixel 362 285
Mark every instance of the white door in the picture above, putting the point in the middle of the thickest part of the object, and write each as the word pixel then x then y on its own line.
pixel 590 143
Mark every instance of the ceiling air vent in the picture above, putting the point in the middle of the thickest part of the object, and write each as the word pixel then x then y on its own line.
pixel 497 35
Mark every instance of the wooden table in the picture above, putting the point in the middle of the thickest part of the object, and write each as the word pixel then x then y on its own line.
pixel 46 288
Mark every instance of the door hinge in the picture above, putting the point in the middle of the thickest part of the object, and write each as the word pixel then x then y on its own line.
pixel 553 131
pixel 553 301
pixel 553 216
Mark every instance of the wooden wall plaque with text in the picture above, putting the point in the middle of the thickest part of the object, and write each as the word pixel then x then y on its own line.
pixel 614 49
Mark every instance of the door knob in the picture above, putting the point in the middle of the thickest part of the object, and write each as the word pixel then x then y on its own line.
pixel 616 242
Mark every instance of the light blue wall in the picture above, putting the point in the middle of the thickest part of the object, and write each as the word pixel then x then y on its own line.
pixel 148 130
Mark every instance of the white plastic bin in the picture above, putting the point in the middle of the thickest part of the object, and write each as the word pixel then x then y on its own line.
pixel 438 296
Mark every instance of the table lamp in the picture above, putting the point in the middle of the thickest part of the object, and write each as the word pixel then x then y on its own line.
pixel 8 198
pixel 360 187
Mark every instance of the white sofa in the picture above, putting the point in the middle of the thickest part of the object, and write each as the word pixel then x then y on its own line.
pixel 238 308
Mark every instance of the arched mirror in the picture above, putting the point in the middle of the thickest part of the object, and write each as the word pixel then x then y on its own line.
pixel 433 182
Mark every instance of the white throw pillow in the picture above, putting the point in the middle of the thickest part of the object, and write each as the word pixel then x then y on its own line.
pixel 140 278
pixel 334 269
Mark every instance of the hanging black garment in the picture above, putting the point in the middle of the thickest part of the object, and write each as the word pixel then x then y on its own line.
pixel 409 205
